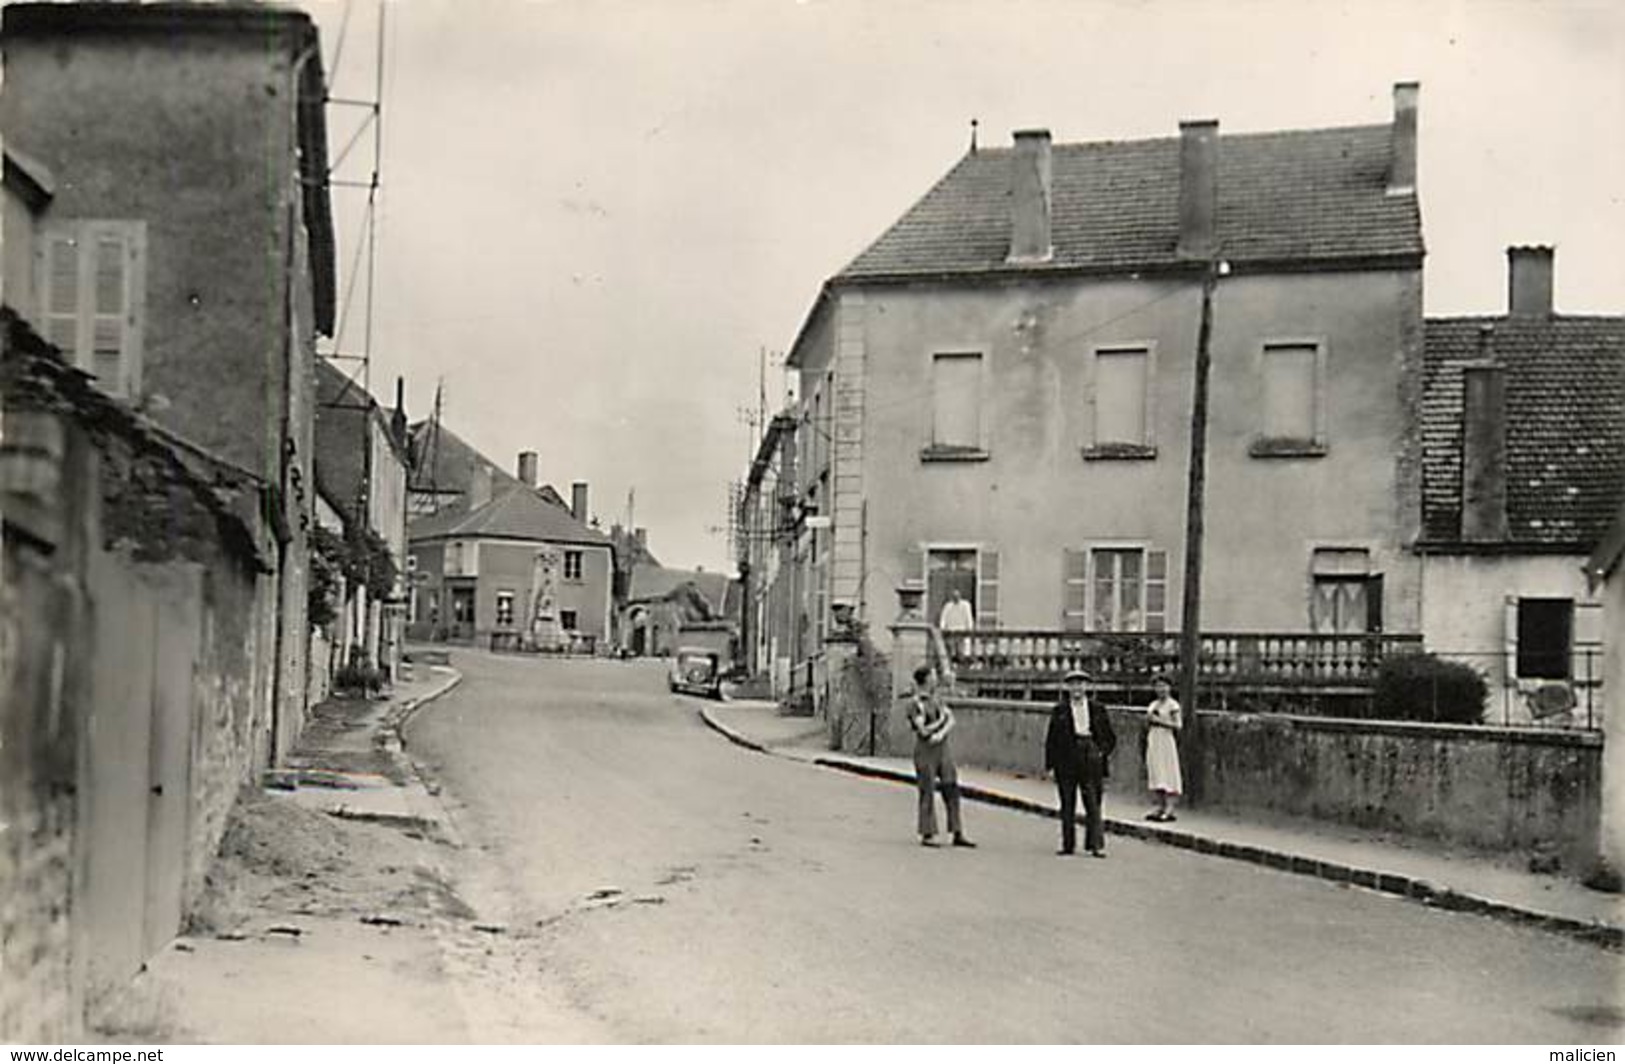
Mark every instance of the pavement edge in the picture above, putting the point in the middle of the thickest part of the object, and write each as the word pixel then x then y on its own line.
pixel 1396 884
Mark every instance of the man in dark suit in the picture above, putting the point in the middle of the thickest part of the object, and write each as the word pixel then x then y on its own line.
pixel 1078 750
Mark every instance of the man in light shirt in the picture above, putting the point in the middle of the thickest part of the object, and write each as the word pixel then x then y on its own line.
pixel 957 615
pixel 1078 749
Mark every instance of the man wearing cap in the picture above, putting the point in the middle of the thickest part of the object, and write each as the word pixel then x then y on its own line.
pixel 1078 750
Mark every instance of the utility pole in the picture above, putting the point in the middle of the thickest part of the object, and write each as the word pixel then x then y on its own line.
pixel 1190 624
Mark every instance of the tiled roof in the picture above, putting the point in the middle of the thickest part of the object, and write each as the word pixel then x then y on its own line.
pixel 1565 418
pixel 454 461
pixel 650 583
pixel 512 513
pixel 1294 196
pixel 341 411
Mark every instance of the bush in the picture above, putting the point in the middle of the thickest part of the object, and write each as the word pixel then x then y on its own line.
pixel 1429 688
pixel 359 679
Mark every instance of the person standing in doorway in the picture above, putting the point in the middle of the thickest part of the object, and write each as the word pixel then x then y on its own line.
pixel 956 615
pixel 1078 750
pixel 1162 725
pixel 934 760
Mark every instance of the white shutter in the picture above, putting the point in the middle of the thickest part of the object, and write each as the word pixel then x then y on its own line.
pixel 1588 643
pixel 1509 674
pixel 987 589
pixel 59 289
pixel 1075 590
pixel 1156 591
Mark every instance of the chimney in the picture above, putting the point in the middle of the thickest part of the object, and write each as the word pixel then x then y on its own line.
pixel 641 536
pixel 479 486
pixel 1529 281
pixel 578 500
pixel 1402 169
pixel 1483 453
pixel 1198 187
pixel 1030 197
pixel 527 468
pixel 397 420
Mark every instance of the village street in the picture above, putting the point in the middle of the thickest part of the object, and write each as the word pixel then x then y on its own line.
pixel 660 884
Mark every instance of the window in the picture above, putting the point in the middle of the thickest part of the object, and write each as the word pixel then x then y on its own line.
pixel 1292 385
pixel 1122 413
pixel 505 609
pixel 956 404
pixel 567 620
pixel 454 559
pixel 572 565
pixel 92 292
pixel 1115 589
pixel 1545 635
pixel 1346 597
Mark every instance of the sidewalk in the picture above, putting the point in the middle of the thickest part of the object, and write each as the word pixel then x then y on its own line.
pixel 1456 881
pixel 329 916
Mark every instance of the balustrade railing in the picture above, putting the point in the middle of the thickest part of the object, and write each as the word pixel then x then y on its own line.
pixel 1239 659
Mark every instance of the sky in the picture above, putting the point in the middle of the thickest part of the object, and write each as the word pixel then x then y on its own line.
pixel 594 217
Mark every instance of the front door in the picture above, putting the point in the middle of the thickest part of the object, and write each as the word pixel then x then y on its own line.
pixel 947 571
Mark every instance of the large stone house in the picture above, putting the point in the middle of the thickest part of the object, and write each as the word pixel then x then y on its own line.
pixel 995 396
pixel 187 256
pixel 1524 467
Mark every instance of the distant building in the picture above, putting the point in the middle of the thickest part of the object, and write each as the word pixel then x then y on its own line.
pixel 662 604
pixel 362 460
pixel 1523 421
pixel 444 469
pixel 508 567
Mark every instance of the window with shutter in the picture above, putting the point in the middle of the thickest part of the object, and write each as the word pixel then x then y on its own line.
pixel 1129 589
pixel 1545 638
pixel 91 283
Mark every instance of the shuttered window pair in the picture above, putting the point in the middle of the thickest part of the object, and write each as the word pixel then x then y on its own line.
pixel 92 294
pixel 1114 589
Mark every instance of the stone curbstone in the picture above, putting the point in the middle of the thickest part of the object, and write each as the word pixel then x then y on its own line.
pixel 1407 887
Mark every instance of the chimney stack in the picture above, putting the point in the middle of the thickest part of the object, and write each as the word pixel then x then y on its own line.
pixel 1402 172
pixel 397 420
pixel 641 537
pixel 479 486
pixel 527 468
pixel 1198 187
pixel 1483 453
pixel 1529 281
pixel 578 501
pixel 1030 197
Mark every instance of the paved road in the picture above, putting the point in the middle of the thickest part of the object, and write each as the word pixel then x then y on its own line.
pixel 762 900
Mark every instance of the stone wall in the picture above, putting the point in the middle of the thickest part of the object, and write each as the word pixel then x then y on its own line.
pixel 1508 790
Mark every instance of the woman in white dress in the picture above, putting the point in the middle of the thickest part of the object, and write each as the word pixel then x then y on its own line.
pixel 1162 724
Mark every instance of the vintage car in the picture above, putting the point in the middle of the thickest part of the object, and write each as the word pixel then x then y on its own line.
pixel 697 670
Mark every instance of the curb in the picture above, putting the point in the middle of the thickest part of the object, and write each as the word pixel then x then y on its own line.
pixel 731 735
pixel 1430 894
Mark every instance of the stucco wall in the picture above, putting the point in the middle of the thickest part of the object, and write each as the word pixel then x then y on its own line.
pixel 1036 494
pixel 1464 605
pixel 1494 789
pixel 194 135
pixel 508 566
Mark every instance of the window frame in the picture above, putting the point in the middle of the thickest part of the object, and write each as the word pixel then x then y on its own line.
pixel 1566 656
pixel 1316 445
pixel 1145 447
pixel 86 233
pixel 508 596
pixel 935 450
pixel 1146 548
pixel 579 557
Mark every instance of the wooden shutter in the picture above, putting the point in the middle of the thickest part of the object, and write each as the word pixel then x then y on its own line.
pixel 59 289
pixel 1588 643
pixel 987 589
pixel 1156 591
pixel 1509 666
pixel 1075 590
pixel 1373 603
